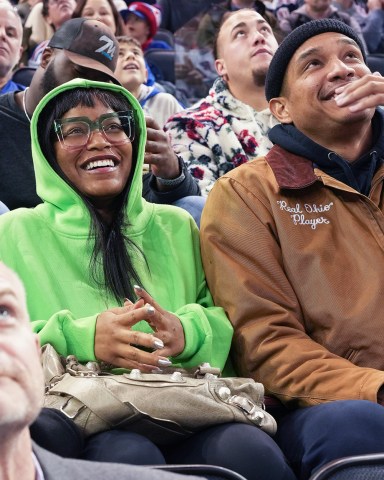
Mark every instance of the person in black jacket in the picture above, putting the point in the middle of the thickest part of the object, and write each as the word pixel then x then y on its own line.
pixel 87 49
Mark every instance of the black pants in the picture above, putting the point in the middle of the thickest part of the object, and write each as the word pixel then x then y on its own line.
pixel 239 447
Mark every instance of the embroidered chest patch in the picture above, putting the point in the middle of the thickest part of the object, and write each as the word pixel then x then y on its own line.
pixel 307 214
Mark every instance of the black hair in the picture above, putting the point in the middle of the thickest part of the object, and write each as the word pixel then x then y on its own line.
pixel 112 249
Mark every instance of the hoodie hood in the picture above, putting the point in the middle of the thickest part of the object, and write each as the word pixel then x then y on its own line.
pixel 60 201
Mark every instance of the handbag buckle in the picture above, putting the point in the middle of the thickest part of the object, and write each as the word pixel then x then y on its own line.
pixel 68 414
pixel 247 406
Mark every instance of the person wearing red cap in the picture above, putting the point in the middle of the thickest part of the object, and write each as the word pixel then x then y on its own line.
pixel 142 21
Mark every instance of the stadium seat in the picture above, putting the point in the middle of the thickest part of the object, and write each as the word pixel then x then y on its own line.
pixel 359 467
pixel 165 36
pixel 210 472
pixel 162 63
pixel 23 75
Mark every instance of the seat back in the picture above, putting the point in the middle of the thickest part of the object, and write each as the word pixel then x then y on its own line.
pixel 23 75
pixel 210 472
pixel 165 36
pixel 359 467
pixel 162 63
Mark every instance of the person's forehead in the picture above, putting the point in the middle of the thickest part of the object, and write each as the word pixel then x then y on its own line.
pixel 92 112
pixel 319 43
pixel 9 17
pixel 124 46
pixel 242 17
pixel 97 3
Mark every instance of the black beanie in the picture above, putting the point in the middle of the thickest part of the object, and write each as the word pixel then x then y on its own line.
pixel 293 41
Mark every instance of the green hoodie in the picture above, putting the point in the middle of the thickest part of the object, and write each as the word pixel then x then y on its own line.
pixel 48 247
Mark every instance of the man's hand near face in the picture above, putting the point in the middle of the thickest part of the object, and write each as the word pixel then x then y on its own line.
pixel 159 154
pixel 366 92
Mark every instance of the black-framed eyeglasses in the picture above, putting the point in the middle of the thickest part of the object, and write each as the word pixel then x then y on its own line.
pixel 74 133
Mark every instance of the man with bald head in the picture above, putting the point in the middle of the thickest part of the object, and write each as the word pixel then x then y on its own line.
pixel 229 126
pixel 21 397
pixel 11 35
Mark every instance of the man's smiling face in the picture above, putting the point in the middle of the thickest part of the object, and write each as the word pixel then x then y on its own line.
pixel 319 66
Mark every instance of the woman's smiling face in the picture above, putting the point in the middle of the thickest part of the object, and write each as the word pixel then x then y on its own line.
pixel 99 169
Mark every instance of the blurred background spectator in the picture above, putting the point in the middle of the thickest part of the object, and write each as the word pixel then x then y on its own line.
pixel 44 19
pixel 24 8
pixel 132 74
pixel 176 13
pixel 11 34
pixel 142 22
pixel 102 10
pixel 211 20
pixel 370 17
pixel 316 9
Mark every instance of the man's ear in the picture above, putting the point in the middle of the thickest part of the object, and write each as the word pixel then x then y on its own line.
pixel 46 57
pixel 280 109
pixel 220 68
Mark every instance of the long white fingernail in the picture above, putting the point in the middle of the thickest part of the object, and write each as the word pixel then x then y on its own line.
pixel 150 309
pixel 158 343
pixel 164 362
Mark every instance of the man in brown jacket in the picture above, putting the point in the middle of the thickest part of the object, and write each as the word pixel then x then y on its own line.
pixel 296 255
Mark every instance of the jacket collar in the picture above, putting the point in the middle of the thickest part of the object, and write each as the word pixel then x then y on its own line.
pixel 294 170
pixel 222 99
pixel 290 170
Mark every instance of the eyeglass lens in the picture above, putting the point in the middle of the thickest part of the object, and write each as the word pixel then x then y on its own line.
pixel 116 128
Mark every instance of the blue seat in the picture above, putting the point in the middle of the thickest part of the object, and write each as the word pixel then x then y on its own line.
pixel 162 63
pixel 166 36
pixel 23 75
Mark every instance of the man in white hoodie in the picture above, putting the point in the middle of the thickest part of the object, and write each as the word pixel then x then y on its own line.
pixel 229 126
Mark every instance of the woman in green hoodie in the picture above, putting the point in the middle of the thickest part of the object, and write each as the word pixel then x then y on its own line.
pixel 82 253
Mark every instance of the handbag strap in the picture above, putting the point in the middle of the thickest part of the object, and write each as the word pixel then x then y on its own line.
pixel 91 391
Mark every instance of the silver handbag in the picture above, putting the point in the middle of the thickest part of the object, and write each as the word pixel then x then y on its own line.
pixel 164 407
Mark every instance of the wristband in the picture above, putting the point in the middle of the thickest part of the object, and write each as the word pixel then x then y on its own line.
pixel 171 182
